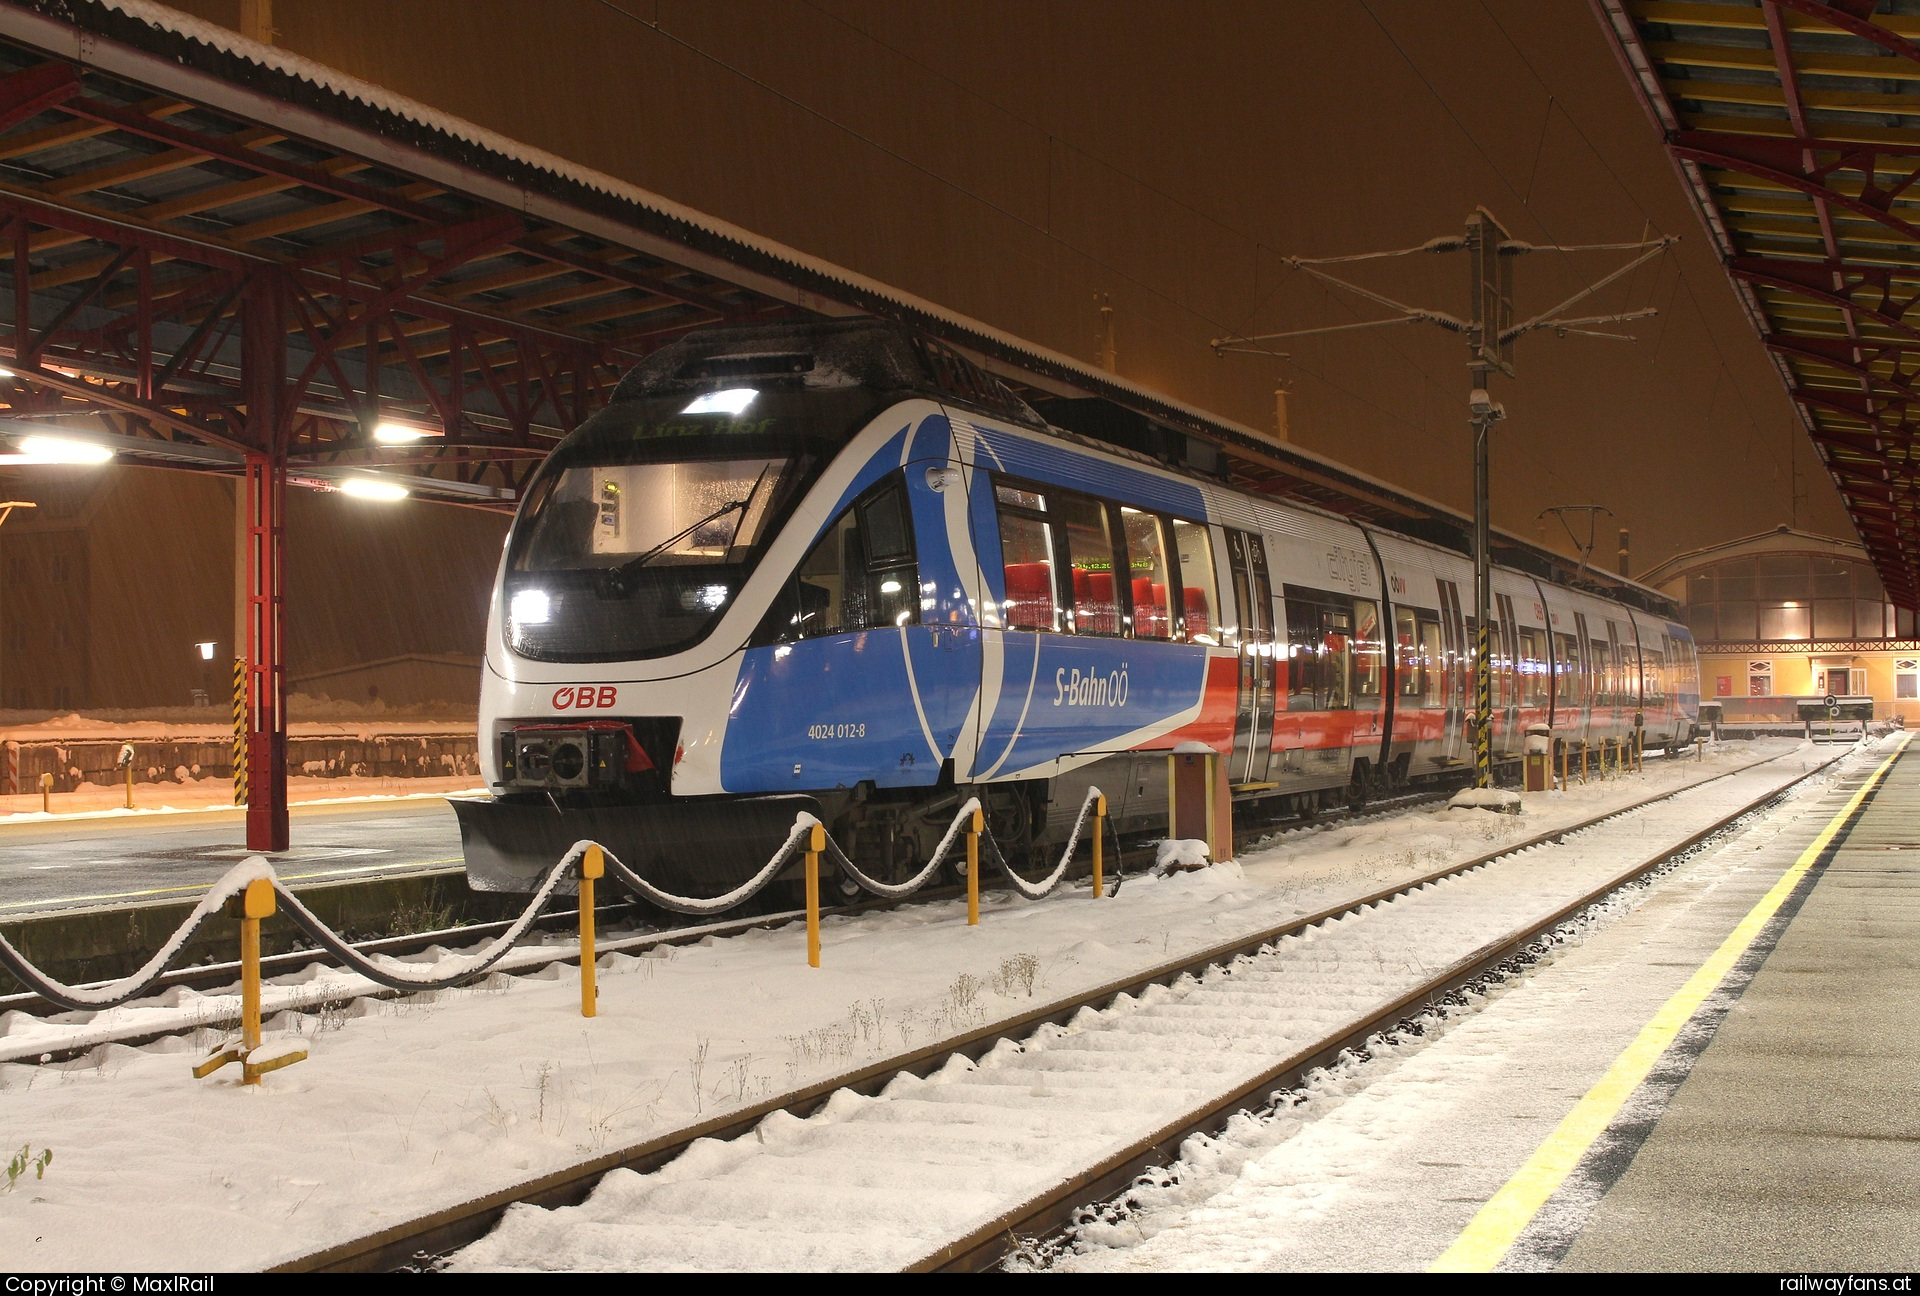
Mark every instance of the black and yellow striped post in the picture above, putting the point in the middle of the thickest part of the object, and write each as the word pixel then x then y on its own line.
pixel 239 730
pixel 1482 709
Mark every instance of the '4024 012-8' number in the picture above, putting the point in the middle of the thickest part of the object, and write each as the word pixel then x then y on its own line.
pixel 837 731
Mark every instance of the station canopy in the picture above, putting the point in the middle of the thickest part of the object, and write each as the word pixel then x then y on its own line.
pixel 1795 126
pixel 198 228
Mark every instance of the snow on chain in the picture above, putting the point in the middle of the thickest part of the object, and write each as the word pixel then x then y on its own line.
pixel 452 969
pixel 930 1159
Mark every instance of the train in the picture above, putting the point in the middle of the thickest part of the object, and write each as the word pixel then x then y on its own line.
pixel 837 568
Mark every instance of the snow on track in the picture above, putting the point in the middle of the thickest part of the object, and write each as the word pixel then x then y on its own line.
pixel 876 1183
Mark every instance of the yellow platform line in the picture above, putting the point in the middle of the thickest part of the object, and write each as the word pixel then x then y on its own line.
pixel 1506 1215
pixel 202 886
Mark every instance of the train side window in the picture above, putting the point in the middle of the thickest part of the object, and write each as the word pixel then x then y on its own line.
pixel 1320 650
pixel 892 576
pixel 859 574
pixel 1566 654
pixel 1433 678
pixel 1147 573
pixel 1026 548
pixel 1533 669
pixel 1083 523
pixel 1197 622
pixel 1602 673
pixel 1410 664
pixel 1368 641
pixel 1337 638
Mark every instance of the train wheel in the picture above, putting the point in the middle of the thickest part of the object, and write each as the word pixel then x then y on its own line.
pixel 1013 822
pixel 1360 786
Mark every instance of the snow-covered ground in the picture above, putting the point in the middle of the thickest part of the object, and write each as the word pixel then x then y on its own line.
pixel 1379 1165
pixel 91 801
pixel 410 1105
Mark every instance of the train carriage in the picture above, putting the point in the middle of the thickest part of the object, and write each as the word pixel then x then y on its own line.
pixel 834 568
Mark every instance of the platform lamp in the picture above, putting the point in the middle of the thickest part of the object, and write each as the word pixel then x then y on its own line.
pixel 204 651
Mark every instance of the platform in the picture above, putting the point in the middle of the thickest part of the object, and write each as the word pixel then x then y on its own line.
pixel 1793 1142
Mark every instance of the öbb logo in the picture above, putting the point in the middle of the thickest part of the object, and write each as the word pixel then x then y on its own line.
pixel 584 698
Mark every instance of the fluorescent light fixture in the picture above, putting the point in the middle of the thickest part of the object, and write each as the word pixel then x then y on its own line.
pixel 732 401
pixel 206 650
pixel 58 450
pixel 714 597
pixel 399 434
pixel 6 373
pixel 367 488
pixel 889 587
pixel 530 607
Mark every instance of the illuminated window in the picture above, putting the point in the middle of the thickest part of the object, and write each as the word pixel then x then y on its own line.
pixel 1026 552
pixel 1196 581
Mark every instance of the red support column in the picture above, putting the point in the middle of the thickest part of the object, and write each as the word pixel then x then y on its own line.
pixel 263 364
pixel 267 828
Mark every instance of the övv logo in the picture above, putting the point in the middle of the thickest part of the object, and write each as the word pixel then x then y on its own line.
pixel 1071 688
pixel 585 698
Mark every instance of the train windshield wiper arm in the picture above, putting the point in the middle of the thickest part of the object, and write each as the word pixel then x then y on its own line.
pixel 619 574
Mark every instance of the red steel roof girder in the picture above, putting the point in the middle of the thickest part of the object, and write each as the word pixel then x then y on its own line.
pixel 1781 160
pixel 1814 279
pixel 1852 16
pixel 25 95
pixel 1854 356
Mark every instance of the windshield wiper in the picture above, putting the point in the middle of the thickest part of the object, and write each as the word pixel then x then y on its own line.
pixel 615 579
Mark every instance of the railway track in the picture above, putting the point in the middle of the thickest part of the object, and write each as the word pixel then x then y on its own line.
pixel 1303 992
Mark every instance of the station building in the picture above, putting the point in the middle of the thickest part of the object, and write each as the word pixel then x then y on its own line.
pixel 1788 614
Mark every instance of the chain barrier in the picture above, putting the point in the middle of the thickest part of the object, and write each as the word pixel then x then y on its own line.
pixel 455 969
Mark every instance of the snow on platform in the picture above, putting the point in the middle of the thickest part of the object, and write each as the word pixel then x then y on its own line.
pixel 412 1105
pixel 1383 1163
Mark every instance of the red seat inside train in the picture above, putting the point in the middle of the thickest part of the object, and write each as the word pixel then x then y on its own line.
pixel 1029 603
pixel 1095 611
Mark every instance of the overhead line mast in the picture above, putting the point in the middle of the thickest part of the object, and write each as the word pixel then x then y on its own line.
pixel 1490 333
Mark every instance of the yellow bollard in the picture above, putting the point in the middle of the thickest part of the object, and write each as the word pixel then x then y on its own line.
pixel 1099 823
pixel 592 865
pixel 816 842
pixel 129 787
pixel 253 904
pixel 973 868
pixel 1563 767
pixel 46 794
pixel 1583 764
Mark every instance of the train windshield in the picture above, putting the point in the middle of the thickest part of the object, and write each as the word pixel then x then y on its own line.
pixel 647 521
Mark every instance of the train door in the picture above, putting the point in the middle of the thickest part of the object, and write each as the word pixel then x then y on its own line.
pixel 1253 606
pixel 1453 635
pixel 1618 703
pixel 1506 697
pixel 1584 680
